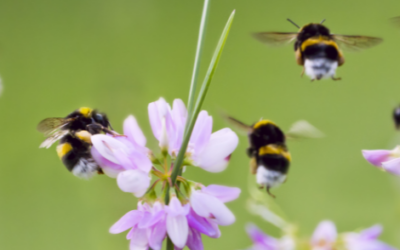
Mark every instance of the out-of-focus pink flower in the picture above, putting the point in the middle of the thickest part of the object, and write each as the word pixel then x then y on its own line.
pixel 324 236
pixel 124 157
pixel 262 241
pixel 207 150
pixel 366 240
pixel 388 160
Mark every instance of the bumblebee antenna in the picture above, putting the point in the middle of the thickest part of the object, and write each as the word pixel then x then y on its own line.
pixel 293 23
pixel 323 20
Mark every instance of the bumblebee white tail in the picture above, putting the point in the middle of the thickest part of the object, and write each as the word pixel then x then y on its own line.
pixel 85 168
pixel 319 68
pixel 269 178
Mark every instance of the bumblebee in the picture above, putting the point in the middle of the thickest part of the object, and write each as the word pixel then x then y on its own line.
pixel 396 117
pixel 270 157
pixel 74 133
pixel 316 49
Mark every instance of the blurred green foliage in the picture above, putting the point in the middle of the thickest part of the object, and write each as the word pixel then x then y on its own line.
pixel 118 56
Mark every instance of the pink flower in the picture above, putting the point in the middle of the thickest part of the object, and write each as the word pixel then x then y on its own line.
pixel 207 150
pixel 124 157
pixel 324 237
pixel 150 224
pixel 388 160
pixel 366 240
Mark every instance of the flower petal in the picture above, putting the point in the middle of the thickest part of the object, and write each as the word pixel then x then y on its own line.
pixel 376 157
pixel 110 168
pixel 106 146
pixel 179 116
pixel 210 207
pixel 133 181
pixel 201 132
pixel 175 207
pixel 214 157
pixel 325 232
pixel 178 229
pixel 392 166
pixel 194 241
pixel 179 112
pixel 139 240
pixel 157 235
pixel 371 233
pixel 223 193
pixel 202 224
pixel 141 161
pixel 157 110
pixel 133 131
pixel 127 221
pixel 260 239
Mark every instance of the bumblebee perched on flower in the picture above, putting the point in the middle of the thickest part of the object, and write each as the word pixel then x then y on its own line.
pixel 74 132
pixel 316 49
pixel 270 157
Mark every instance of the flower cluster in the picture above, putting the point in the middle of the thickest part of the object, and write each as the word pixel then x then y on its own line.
pixel 325 237
pixel 183 221
pixel 194 209
pixel 387 160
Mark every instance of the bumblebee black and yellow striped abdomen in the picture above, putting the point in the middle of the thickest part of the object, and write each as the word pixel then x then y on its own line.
pixel 274 157
pixel 75 155
pixel 321 47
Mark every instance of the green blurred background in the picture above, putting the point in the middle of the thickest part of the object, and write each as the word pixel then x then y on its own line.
pixel 118 56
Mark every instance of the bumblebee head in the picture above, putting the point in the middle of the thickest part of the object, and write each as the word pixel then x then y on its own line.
pixel 309 26
pixel 101 119
pixel 311 29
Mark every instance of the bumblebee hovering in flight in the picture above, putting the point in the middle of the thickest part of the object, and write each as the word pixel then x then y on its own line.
pixel 74 132
pixel 270 157
pixel 316 49
pixel 396 117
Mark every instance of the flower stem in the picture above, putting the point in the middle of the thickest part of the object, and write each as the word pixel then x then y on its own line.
pixel 200 99
pixel 170 245
pixel 196 66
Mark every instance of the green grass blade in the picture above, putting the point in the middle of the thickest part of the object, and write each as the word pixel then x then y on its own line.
pixel 200 99
pixel 200 42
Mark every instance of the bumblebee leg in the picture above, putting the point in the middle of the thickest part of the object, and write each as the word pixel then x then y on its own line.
pixel 253 165
pixel 97 128
pixel 100 171
pixel 302 72
pixel 268 191
pixel 336 79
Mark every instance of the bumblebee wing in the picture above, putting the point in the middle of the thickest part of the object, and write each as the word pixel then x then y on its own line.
pixel 240 125
pixel 53 138
pixel 303 129
pixel 395 21
pixel 275 38
pixel 51 125
pixel 356 43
